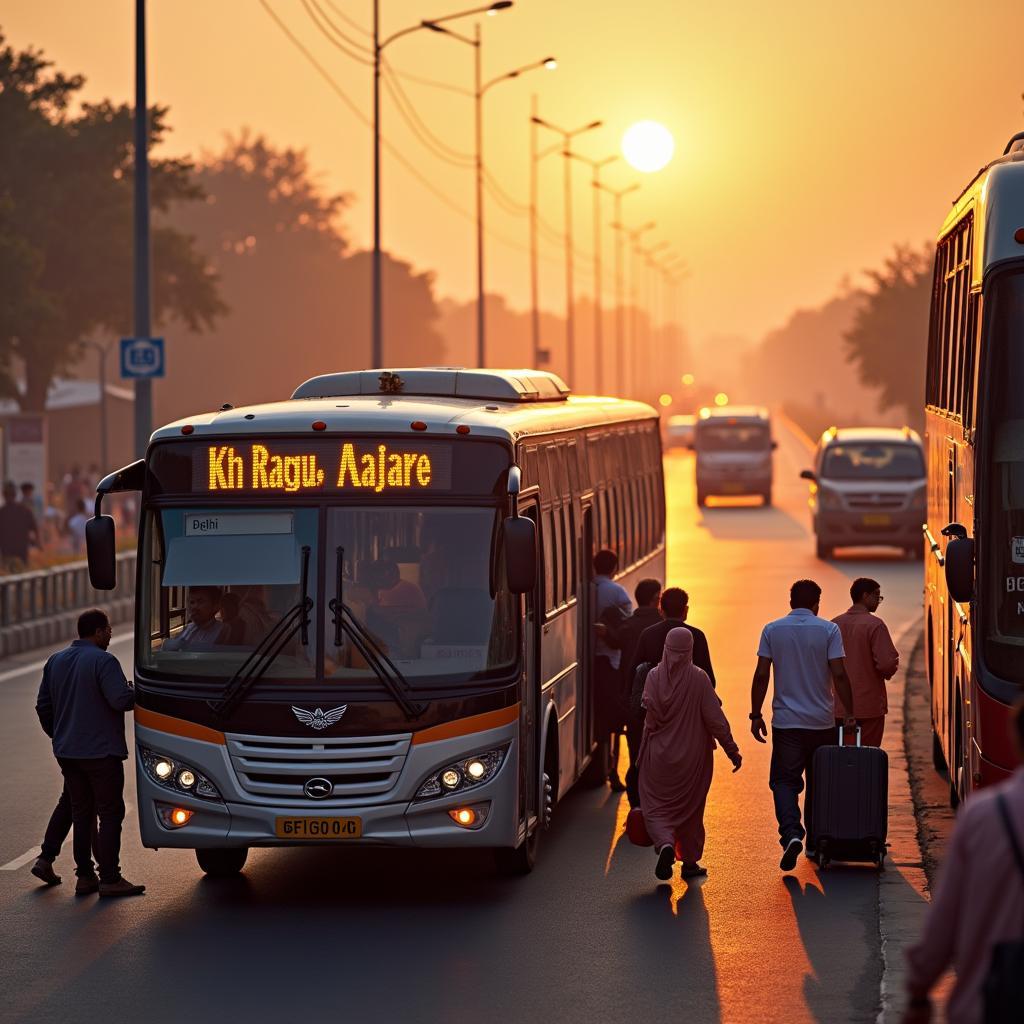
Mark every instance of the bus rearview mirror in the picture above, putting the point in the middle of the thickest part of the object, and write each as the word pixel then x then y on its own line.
pixel 102 552
pixel 960 569
pixel 520 554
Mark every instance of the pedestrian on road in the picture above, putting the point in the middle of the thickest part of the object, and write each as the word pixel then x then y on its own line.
pixel 612 607
pixel 805 655
pixel 81 705
pixel 648 595
pixel 675 609
pixel 871 660
pixel 978 905
pixel 57 831
pixel 18 530
pixel 684 718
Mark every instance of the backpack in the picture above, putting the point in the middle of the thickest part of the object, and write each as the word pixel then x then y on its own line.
pixel 1004 984
pixel 636 692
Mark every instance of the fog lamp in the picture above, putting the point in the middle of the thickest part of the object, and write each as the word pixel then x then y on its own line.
pixel 173 817
pixel 464 816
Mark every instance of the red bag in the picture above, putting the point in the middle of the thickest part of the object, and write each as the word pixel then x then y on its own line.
pixel 636 830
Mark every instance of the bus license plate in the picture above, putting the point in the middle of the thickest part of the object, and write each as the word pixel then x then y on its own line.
pixel 319 828
pixel 877 520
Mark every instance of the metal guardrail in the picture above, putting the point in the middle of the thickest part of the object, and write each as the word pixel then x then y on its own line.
pixel 31 596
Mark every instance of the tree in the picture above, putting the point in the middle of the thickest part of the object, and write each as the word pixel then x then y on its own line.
pixel 300 297
pixel 888 340
pixel 66 226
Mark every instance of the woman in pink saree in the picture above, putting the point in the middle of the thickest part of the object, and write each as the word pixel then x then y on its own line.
pixel 684 718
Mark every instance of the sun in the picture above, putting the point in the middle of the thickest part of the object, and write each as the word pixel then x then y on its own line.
pixel 647 146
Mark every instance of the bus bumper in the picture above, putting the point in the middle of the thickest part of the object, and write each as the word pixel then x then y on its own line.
pixel 395 820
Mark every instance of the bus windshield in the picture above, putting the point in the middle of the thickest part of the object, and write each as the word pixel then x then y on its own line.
pixel 873 461
pixel 1003 540
pixel 426 585
pixel 733 437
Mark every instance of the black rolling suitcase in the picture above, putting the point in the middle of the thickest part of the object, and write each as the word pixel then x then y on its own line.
pixel 849 803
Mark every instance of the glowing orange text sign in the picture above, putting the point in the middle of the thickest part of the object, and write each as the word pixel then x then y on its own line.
pixel 355 467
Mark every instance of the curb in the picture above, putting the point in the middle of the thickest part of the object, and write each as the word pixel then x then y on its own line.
pixel 903 886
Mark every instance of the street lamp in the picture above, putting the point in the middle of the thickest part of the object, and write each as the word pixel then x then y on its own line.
pixel 570 314
pixel 433 24
pixel 479 89
pixel 595 167
pixel 620 313
pixel 143 419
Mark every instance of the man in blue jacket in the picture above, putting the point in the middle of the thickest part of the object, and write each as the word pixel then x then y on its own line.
pixel 81 705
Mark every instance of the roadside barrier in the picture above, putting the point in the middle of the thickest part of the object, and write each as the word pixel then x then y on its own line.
pixel 41 607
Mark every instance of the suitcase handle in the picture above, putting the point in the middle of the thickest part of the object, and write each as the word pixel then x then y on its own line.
pixel 842 729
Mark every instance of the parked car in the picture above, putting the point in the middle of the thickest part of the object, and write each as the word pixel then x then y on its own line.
pixel 868 487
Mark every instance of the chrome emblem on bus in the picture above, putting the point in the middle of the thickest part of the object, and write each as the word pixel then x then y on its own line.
pixel 318 789
pixel 319 719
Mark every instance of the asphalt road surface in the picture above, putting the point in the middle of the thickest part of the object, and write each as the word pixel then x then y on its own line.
pixel 335 934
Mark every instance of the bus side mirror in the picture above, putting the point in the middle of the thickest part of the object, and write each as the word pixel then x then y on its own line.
pixel 960 569
pixel 808 474
pixel 520 554
pixel 102 552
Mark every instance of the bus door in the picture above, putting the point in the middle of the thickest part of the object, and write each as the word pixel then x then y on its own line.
pixel 530 718
pixel 585 634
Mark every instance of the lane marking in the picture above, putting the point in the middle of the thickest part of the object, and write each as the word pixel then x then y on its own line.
pixel 37 666
pixel 20 862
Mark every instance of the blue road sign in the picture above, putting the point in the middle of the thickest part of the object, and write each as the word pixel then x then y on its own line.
pixel 142 357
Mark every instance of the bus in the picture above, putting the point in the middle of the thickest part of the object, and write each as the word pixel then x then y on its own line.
pixel 974 440
pixel 734 447
pixel 365 614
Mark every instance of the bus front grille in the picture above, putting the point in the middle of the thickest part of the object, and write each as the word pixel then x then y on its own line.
pixel 279 767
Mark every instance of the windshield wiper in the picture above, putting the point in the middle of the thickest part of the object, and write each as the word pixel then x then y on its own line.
pixel 346 622
pixel 294 621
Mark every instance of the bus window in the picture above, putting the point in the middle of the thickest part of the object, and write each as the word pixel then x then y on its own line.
pixel 419 581
pixel 217 582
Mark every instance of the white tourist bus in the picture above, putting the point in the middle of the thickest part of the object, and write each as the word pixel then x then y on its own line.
pixel 364 615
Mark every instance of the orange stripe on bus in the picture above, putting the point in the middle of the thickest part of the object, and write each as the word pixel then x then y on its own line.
pixel 177 726
pixel 463 726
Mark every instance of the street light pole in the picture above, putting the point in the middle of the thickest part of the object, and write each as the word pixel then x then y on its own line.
pixel 434 24
pixel 141 269
pixel 634 235
pixel 595 168
pixel 620 280
pixel 570 300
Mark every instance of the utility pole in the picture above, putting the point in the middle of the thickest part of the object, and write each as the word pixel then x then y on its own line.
pixel 141 268
pixel 478 100
pixel 377 294
pixel 534 254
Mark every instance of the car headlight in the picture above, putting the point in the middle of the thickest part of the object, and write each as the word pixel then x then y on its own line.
pixel 829 498
pixel 462 775
pixel 175 775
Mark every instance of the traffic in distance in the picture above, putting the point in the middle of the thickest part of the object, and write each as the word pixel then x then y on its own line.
pixel 371 619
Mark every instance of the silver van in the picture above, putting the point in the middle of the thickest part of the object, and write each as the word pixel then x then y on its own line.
pixel 734 452
pixel 868 487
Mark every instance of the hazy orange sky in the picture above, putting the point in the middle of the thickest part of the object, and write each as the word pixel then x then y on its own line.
pixel 810 136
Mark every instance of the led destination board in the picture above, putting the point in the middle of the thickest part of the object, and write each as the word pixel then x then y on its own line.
pixel 364 467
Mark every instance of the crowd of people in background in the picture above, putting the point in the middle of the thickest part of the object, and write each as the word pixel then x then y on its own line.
pixel 39 529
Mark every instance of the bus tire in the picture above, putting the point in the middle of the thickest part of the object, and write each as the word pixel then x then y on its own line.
pixel 823 551
pixel 521 860
pixel 223 862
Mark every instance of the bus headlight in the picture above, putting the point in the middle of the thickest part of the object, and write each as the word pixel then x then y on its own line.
pixel 462 775
pixel 178 777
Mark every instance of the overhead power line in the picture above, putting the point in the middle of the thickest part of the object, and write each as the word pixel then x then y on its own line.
pixel 328 32
pixel 348 20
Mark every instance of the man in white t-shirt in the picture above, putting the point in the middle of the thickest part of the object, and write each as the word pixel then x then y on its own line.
pixel 805 653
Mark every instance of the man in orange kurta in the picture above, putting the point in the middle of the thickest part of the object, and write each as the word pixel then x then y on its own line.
pixel 871 660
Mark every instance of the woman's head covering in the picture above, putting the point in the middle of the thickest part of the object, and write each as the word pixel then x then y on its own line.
pixel 674 671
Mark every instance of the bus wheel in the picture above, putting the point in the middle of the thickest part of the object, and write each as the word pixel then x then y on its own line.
pixel 823 551
pixel 224 862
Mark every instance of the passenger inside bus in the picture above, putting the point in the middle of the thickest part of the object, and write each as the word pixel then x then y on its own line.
pixel 204 629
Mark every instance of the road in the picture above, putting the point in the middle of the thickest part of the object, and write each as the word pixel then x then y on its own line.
pixel 318 934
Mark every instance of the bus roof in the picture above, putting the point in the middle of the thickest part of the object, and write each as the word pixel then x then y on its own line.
pixel 503 404
pixel 996 197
